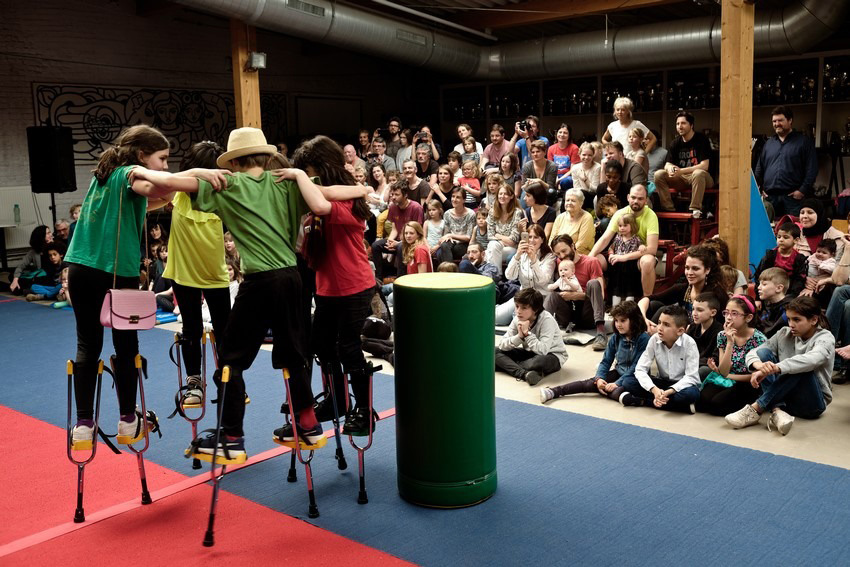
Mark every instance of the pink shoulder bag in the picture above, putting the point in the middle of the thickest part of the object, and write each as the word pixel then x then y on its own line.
pixel 127 309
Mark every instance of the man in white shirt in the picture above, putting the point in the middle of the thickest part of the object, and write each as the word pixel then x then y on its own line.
pixel 676 388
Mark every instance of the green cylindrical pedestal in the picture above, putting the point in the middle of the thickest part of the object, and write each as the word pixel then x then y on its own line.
pixel 444 388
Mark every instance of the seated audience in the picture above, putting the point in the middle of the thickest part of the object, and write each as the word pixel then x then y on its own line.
pixel 647 223
pixel 686 167
pixel 532 346
pixel 624 349
pixel 575 222
pixel 565 156
pixel 701 274
pixel 675 354
pixel 474 263
pixel 503 228
pixel 772 285
pixel 538 212
pixel 470 183
pixel 532 265
pixel 634 148
pixel 401 211
pixel 492 156
pixel 728 385
pixel 585 309
pixel 541 169
pixel 442 189
pixel 414 250
pixel 704 328
pixel 586 174
pixel 509 170
pixel 816 227
pixel 29 270
pixel 793 369
pixel 625 253
pixel 786 257
pixel 633 173
pixel 459 226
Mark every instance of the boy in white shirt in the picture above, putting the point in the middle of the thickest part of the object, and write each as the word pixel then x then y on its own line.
pixel 532 346
pixel 676 388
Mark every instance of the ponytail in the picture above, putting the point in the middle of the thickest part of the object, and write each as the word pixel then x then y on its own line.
pixel 130 143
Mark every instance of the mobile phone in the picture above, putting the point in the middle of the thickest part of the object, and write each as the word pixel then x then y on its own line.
pixel 523 237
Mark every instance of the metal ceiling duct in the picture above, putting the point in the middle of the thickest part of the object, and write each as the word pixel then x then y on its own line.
pixel 782 31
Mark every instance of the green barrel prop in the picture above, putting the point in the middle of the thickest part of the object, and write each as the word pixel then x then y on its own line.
pixel 444 388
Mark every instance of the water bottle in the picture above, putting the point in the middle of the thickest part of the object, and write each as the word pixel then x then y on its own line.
pixel 17 213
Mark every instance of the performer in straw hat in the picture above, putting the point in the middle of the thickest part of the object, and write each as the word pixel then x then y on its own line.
pixel 264 216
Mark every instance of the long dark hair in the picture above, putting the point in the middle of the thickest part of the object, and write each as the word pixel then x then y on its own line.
pixel 37 235
pixel 708 257
pixel 203 155
pixel 326 159
pixel 130 142
pixel 544 246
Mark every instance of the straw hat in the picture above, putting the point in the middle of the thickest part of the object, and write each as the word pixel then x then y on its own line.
pixel 244 142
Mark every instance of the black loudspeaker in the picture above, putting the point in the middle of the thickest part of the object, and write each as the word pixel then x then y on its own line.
pixel 51 152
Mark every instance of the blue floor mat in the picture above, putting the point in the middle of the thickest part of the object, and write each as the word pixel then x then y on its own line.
pixel 573 489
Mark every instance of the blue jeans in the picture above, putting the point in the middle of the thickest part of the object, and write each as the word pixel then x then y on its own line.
pixel 48 291
pixel 784 205
pixel 566 183
pixel 838 315
pixel 680 401
pixel 798 394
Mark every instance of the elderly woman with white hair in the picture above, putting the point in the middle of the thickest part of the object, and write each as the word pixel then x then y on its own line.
pixel 575 221
pixel 618 130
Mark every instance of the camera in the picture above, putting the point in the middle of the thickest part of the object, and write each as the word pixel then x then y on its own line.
pixel 523 125
pixel 421 137
pixel 371 156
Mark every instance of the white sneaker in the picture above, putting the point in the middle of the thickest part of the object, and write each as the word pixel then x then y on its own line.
pixel 781 420
pixel 697 214
pixel 546 394
pixel 130 432
pixel 194 396
pixel 82 437
pixel 744 417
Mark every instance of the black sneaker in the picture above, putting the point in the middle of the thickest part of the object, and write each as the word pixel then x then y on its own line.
pixel 532 377
pixel 629 399
pixel 228 453
pixel 357 423
pixel 312 436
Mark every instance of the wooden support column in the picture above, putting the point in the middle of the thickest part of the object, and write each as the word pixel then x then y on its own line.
pixel 736 127
pixel 246 84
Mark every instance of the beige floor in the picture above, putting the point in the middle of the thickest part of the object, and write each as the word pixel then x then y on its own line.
pixel 825 440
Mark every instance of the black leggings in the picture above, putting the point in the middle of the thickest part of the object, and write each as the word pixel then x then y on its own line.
pixel 589 386
pixel 88 287
pixel 337 325
pixel 190 301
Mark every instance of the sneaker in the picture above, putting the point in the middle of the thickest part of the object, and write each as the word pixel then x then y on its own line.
pixel 357 423
pixel 546 394
pixel 131 431
pixel 697 214
pixel 34 297
pixel 313 436
pixel 532 377
pixel 229 452
pixel 599 343
pixel 692 409
pixel 629 399
pixel 839 376
pixel 744 417
pixel 781 420
pixel 194 396
pixel 82 437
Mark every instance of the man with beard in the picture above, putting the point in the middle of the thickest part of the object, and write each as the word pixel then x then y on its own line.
pixel 647 223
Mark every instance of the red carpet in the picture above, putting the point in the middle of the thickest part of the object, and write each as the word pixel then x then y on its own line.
pixel 39 494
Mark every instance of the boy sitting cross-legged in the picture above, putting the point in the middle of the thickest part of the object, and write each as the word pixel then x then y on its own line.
pixel 532 346
pixel 676 387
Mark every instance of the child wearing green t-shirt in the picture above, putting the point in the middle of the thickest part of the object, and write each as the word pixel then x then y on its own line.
pixel 263 216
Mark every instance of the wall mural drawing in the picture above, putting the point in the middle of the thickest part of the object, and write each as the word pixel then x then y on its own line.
pixel 97 114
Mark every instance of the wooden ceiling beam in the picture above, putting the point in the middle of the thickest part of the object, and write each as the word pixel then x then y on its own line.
pixel 540 11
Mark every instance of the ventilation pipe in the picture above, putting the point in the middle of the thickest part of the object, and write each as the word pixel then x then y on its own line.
pixel 791 29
